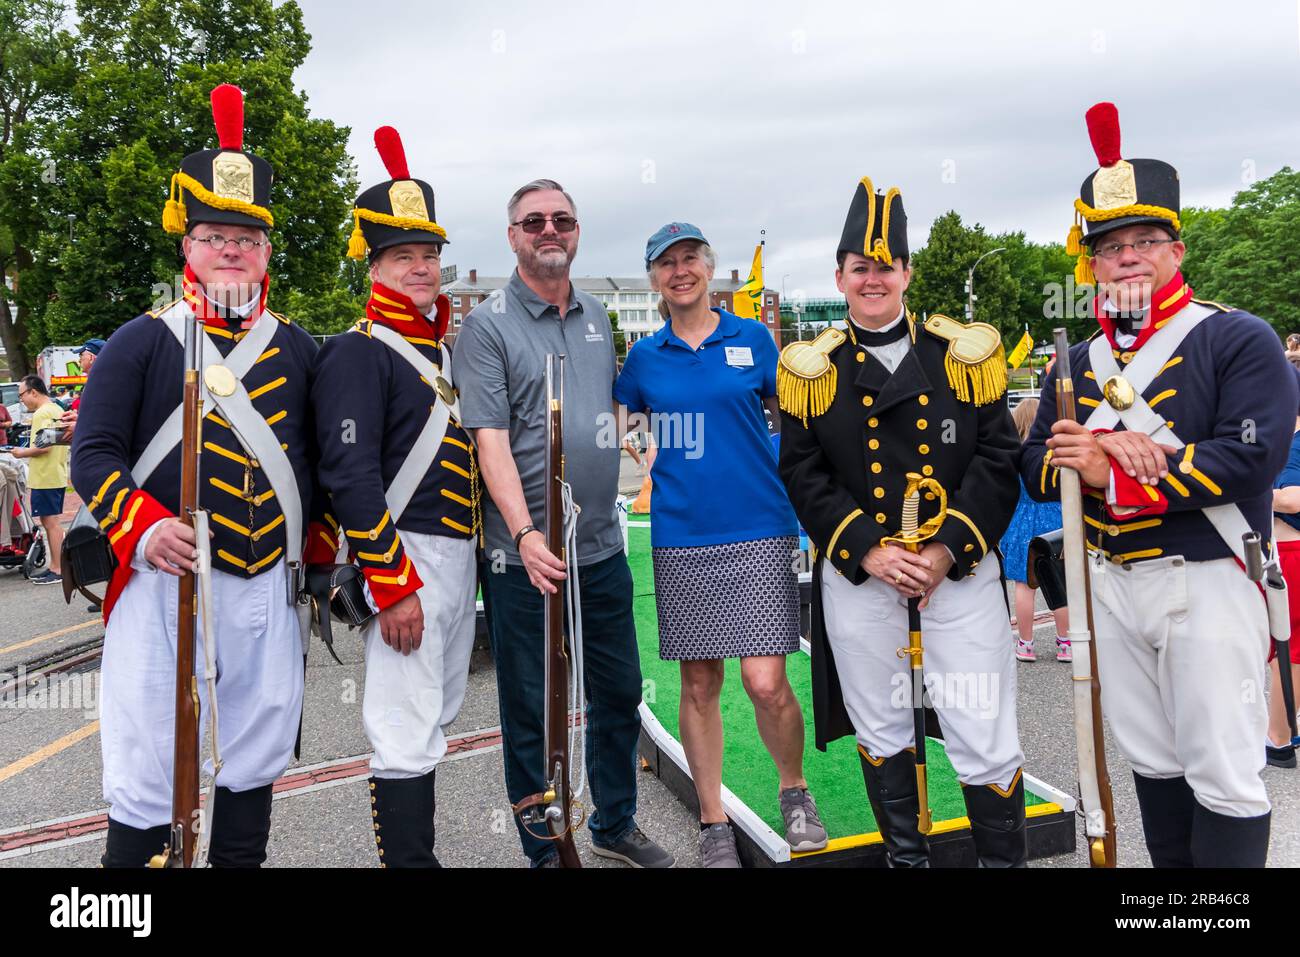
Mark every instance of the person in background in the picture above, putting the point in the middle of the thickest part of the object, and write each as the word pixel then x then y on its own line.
pixel 1030 520
pixel 47 473
pixel 1286 539
pixel 724 537
pixel 1293 346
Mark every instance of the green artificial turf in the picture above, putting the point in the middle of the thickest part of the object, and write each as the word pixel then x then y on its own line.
pixel 834 776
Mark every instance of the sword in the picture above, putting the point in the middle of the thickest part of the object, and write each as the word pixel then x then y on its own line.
pixel 910 536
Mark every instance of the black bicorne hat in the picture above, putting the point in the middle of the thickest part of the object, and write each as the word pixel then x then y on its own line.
pixel 1119 192
pixel 399 210
pixel 876 226
pixel 225 185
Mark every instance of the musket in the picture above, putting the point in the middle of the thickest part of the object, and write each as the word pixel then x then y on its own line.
pixel 553 806
pixel 179 851
pixel 1094 779
pixel 910 536
pixel 1270 576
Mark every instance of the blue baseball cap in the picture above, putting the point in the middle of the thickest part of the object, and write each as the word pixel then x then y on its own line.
pixel 665 236
pixel 92 346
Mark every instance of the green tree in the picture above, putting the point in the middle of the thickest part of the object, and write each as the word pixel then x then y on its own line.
pixel 620 338
pixel 138 104
pixel 940 270
pixel 1246 255
pixel 35 72
pixel 1046 295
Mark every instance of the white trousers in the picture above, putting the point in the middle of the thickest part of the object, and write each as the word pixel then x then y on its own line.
pixel 410 699
pixel 259 688
pixel 1181 650
pixel 969 668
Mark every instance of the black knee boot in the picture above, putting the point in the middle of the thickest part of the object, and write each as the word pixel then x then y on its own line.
pixel 891 788
pixel 133 846
pixel 997 823
pixel 1222 841
pixel 241 825
pixel 1168 807
pixel 402 810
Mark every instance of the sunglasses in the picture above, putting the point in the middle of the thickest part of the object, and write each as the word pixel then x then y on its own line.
pixel 563 223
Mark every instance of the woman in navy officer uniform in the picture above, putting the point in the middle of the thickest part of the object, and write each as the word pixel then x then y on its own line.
pixel 864 408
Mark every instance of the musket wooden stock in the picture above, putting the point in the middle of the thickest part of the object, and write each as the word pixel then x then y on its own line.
pixel 553 805
pixel 1090 735
pixel 185 770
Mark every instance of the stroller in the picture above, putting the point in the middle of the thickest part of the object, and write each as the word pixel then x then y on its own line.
pixel 28 548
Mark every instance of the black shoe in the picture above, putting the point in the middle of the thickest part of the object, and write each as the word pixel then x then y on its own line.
pixel 891 789
pixel 241 826
pixel 636 849
pixel 132 846
pixel 402 811
pixel 997 823
pixel 1168 807
pixel 1222 841
pixel 1283 757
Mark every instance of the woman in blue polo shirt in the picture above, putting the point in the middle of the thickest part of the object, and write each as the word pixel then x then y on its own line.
pixel 724 536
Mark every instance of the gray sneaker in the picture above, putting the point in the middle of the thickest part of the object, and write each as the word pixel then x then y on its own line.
pixel 636 849
pixel 718 846
pixel 803 828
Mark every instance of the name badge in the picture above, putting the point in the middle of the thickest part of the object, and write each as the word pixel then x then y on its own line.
pixel 739 356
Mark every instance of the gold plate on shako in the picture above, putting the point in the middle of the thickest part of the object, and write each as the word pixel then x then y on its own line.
pixel 219 380
pixel 1119 393
pixel 445 391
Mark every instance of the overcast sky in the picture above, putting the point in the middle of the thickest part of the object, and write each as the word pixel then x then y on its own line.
pixel 763 115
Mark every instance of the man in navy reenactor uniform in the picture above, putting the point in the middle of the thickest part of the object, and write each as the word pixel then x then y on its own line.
pixel 401 474
pixel 1188 410
pixel 255 477
pixel 862 410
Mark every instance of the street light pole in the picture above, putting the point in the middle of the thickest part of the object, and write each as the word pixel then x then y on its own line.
pixel 970 283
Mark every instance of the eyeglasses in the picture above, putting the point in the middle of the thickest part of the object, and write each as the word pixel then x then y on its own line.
pixel 1109 251
pixel 218 242
pixel 563 223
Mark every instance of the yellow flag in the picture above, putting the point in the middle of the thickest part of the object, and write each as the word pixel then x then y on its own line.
pixel 748 299
pixel 1021 350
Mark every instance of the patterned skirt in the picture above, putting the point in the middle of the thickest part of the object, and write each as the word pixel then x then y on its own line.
pixel 738 600
pixel 1030 520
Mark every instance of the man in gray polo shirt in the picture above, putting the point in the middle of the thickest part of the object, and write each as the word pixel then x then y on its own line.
pixel 500 369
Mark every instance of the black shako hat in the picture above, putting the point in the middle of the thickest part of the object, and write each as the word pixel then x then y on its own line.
pixel 225 185
pixel 399 210
pixel 1119 192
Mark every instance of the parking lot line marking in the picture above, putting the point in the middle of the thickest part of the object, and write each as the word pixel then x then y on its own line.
pixel 54 634
pixel 51 749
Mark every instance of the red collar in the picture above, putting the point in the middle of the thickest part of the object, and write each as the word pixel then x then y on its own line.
pixel 398 312
pixel 1165 302
pixel 213 315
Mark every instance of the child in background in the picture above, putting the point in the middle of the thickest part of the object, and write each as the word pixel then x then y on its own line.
pixel 1031 519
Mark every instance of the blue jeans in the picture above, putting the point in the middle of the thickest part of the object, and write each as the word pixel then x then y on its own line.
pixel 613 690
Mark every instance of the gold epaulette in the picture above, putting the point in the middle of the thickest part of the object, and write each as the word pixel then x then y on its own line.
pixel 805 375
pixel 154 314
pixel 363 327
pixel 975 363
